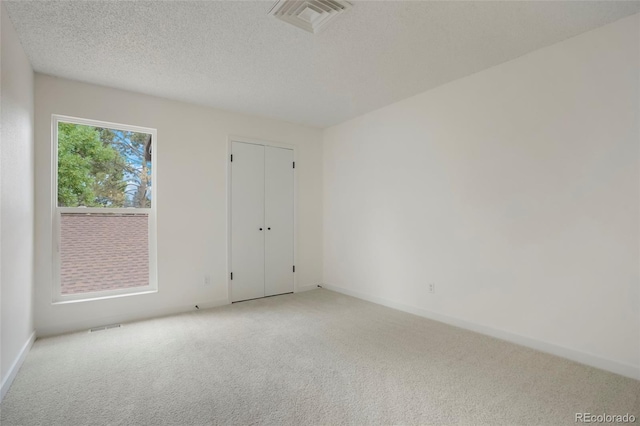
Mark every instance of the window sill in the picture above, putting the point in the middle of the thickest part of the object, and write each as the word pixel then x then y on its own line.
pixel 111 296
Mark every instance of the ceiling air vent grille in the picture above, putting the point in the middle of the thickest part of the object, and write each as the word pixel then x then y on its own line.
pixel 310 15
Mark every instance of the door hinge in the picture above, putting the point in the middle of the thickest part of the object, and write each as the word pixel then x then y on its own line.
pixel 294 164
pixel 294 268
pixel 232 158
pixel 232 276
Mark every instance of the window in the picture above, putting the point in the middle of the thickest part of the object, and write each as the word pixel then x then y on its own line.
pixel 104 212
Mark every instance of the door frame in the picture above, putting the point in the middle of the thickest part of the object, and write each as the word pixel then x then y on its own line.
pixel 262 142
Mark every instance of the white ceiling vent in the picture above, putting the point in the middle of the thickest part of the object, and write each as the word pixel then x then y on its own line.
pixel 310 15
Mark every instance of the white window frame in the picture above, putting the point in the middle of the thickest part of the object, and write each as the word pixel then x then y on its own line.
pixel 152 287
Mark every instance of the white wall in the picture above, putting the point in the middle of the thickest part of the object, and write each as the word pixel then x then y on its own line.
pixel 514 190
pixel 16 202
pixel 192 199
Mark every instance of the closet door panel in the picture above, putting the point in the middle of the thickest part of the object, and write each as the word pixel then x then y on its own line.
pixel 278 221
pixel 247 221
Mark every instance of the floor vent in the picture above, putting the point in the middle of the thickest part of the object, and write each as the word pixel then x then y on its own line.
pixel 104 327
pixel 310 15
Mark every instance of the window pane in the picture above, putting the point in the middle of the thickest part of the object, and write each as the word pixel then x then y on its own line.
pixel 101 167
pixel 103 252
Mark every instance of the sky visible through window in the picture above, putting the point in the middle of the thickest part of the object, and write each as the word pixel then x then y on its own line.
pixel 102 167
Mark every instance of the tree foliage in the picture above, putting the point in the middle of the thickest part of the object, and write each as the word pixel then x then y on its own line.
pixel 82 159
pixel 99 167
pixel 136 169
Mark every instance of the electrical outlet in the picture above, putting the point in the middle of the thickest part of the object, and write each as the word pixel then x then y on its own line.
pixel 432 287
pixel 207 280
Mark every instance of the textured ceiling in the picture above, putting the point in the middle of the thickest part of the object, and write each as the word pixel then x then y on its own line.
pixel 232 55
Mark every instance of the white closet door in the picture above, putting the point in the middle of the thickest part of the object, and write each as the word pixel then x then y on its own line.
pixel 278 220
pixel 247 221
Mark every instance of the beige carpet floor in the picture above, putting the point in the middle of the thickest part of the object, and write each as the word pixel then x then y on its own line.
pixel 309 358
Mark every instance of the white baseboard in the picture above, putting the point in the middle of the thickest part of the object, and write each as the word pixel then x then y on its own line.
pixel 302 288
pixel 86 324
pixel 212 304
pixel 15 367
pixel 623 369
